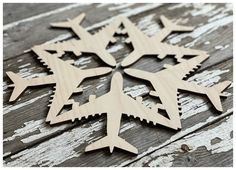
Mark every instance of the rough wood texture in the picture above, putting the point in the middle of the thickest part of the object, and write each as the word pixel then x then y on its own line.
pixel 193 151
pixel 26 136
pixel 14 12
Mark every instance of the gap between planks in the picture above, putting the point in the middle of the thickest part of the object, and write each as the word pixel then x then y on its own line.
pixel 47 138
pixel 168 142
pixel 185 148
pixel 209 66
pixel 42 15
pixel 127 13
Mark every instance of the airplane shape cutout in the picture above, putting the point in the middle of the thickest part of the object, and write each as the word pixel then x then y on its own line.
pixel 66 77
pixel 87 43
pixel 167 82
pixel 114 104
pixel 144 45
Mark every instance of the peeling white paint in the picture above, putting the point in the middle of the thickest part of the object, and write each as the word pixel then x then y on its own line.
pixel 202 30
pixel 193 105
pixel 27 73
pixel 99 86
pixel 24 158
pixel 180 5
pixel 164 157
pixel 207 78
pixel 136 91
pixel 85 87
pixel 178 135
pixel 140 91
pixel 127 13
pixel 220 47
pixel 102 5
pixel 59 149
pixel 38 127
pixel 6 154
pixel 115 48
pixel 102 79
pixel 9 108
pixel 20 60
pixel 200 9
pixel 127 126
pixel 5 86
pixel 24 65
pixel 149 26
pixel 46 14
pixel 83 61
pixel 119 6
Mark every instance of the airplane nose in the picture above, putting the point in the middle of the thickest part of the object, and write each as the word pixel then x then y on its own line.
pixel 117 76
pixel 128 71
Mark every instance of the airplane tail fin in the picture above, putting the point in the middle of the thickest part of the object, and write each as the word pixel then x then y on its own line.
pixel 19 85
pixel 214 93
pixel 112 142
pixel 174 27
pixel 70 22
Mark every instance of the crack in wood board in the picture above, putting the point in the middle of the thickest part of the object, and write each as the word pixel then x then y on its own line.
pixel 131 12
pixel 27 73
pixel 178 136
pixel 171 39
pixel 120 6
pixel 188 112
pixel 217 15
pixel 199 29
pixel 24 158
pixel 39 16
pixel 166 156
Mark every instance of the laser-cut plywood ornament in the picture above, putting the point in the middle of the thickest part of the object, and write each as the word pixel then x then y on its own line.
pixel 166 82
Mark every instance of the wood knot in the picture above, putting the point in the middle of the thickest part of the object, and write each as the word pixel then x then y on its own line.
pixel 185 148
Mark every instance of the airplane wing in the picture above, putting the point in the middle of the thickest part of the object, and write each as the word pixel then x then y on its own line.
pixel 145 113
pixel 154 47
pixel 134 33
pixel 72 45
pixel 183 69
pixel 60 98
pixel 164 49
pixel 91 108
pixel 74 25
pixel 105 35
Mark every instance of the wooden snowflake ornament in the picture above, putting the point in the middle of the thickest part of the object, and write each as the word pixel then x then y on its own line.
pixel 166 83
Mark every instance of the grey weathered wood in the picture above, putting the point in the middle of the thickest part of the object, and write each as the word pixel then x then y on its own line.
pixel 142 135
pixel 38 31
pixel 14 11
pixel 15 119
pixel 207 147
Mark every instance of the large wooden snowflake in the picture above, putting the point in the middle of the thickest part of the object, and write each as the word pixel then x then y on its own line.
pixel 68 78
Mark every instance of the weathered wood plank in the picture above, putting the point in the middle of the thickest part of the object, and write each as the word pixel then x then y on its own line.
pixel 43 131
pixel 196 113
pixel 13 12
pixel 27 106
pixel 37 31
pixel 211 146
